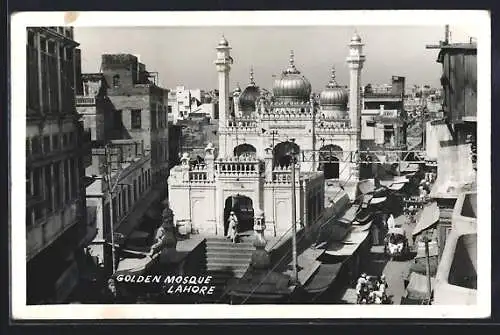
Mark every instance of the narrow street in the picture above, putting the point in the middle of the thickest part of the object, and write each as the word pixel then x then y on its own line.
pixel 378 264
pixel 395 271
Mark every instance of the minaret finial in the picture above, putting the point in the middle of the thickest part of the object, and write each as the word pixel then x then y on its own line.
pixel 252 82
pixel 291 64
pixel 333 81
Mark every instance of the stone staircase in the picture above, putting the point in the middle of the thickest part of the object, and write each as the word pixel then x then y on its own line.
pixel 225 257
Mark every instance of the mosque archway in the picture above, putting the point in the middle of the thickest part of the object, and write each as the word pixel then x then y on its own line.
pixel 242 206
pixel 329 161
pixel 245 149
pixel 283 153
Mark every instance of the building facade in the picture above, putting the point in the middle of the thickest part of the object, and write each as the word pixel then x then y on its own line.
pixel 56 225
pixel 451 140
pixel 259 136
pixel 126 166
pixel 384 119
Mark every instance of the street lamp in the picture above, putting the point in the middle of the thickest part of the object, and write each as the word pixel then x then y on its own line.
pixel 111 191
pixel 293 154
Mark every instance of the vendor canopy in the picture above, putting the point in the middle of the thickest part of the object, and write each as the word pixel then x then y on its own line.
pixel 428 217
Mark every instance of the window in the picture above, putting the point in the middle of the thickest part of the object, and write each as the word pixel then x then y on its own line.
pixel 71 138
pixel 55 141
pixel 29 217
pixel 28 147
pixel 74 178
pixel 118 119
pixel 65 140
pixel 57 185
pixel 114 211
pixel 116 80
pixel 153 120
pixel 48 189
pixel 31 38
pixel 46 144
pixel 37 182
pixel 51 47
pixel 29 189
pixel 135 116
pixel 129 196
pixel 136 190
pixel 69 53
pixel 67 190
pixel 124 202
pixel 36 147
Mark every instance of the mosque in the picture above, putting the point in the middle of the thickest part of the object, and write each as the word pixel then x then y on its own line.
pixel 260 137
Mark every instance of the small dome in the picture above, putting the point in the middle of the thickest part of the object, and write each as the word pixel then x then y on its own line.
pixel 334 95
pixel 249 96
pixel 237 90
pixel 223 42
pixel 291 84
pixel 356 38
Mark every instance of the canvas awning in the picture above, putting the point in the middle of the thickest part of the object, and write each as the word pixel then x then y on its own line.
pixel 397 186
pixel 349 245
pixel 417 287
pixel 366 186
pixel 366 200
pixel 375 201
pixel 350 214
pixel 428 217
pixel 357 227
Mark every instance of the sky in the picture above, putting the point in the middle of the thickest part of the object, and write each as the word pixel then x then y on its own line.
pixel 184 56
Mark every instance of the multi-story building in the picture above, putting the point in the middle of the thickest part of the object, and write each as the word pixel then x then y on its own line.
pixel 384 117
pixel 139 109
pixel 183 102
pixel 56 226
pixel 451 143
pixel 129 155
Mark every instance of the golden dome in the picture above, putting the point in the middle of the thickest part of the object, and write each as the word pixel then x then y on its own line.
pixel 292 85
pixel 249 96
pixel 334 95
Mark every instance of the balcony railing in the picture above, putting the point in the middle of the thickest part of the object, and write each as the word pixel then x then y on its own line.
pixel 84 101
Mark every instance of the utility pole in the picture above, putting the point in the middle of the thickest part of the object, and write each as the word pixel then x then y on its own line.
pixel 428 268
pixel 294 223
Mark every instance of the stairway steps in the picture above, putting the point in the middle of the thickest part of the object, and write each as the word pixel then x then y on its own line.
pixel 230 248
pixel 228 259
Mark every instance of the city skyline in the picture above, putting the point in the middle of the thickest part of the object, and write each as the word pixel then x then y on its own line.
pixel 314 57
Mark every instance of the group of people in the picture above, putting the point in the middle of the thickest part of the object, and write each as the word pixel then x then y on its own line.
pixel 371 290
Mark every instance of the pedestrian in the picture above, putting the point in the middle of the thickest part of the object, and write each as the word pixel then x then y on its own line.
pixel 391 223
pixel 233 226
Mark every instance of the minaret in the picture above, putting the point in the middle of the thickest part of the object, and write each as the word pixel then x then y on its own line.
pixel 223 64
pixel 355 62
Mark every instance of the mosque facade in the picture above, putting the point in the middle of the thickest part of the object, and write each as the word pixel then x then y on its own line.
pixel 260 138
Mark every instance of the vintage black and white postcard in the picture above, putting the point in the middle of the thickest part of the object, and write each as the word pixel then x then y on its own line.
pixel 250 165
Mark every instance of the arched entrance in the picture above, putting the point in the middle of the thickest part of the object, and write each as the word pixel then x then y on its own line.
pixel 329 161
pixel 245 149
pixel 242 206
pixel 283 153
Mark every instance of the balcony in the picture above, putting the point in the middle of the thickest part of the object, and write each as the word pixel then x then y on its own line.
pixel 84 100
pixel 42 235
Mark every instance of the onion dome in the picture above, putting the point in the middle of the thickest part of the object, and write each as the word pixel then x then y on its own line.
pixel 356 38
pixel 237 90
pixel 334 96
pixel 292 85
pixel 223 42
pixel 249 96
